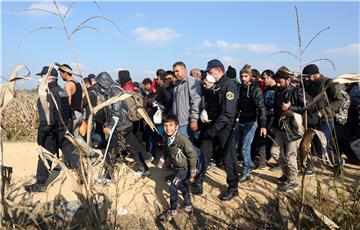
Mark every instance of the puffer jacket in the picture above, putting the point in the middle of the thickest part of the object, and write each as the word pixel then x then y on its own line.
pixel 251 105
pixel 181 153
pixel 118 109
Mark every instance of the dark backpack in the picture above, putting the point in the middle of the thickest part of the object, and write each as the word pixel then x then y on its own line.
pixel 133 103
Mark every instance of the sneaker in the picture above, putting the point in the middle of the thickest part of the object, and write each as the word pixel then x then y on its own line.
pixel 275 167
pixel 288 187
pixel 188 209
pixel 170 214
pixel 36 187
pixel 309 172
pixel 244 178
pixel 282 179
pixel 229 194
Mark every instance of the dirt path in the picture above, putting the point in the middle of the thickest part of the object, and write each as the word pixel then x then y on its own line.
pixel 143 199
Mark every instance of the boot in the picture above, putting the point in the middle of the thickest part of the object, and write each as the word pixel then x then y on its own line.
pixel 197 186
pixel 229 194
pixel 36 187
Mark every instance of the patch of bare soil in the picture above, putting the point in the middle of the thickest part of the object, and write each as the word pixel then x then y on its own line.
pixel 137 202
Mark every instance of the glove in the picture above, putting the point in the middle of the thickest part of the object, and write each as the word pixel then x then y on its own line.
pixel 204 116
pixel 192 175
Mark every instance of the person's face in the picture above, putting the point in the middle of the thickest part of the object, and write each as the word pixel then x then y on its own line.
pixel 159 81
pixel 87 85
pixel 245 78
pixel 216 73
pixel 63 75
pixel 267 79
pixel 208 85
pixel 180 72
pixel 170 78
pixel 170 128
pixel 313 77
pixel 283 83
pixel 147 87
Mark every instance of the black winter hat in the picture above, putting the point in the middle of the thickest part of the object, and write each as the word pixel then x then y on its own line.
pixel 124 76
pixel 231 72
pixel 310 70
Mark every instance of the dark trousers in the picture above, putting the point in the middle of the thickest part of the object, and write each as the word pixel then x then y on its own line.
pixel 179 183
pixel 327 127
pixel 52 142
pixel 228 149
pixel 121 141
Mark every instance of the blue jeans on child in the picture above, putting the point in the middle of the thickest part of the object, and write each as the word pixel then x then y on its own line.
pixel 179 183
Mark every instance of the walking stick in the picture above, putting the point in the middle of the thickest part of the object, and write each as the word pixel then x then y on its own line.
pixel 107 147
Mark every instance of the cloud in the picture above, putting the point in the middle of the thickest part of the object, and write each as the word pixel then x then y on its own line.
pixel 158 35
pixel 138 15
pixel 251 47
pixel 231 61
pixel 226 46
pixel 47 6
pixel 351 49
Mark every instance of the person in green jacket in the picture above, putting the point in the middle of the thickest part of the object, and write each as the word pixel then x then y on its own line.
pixel 181 154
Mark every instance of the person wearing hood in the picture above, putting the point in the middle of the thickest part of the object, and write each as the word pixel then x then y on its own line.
pixel 250 107
pixel 123 137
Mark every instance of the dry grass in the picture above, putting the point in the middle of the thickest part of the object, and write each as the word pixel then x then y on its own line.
pixel 20 117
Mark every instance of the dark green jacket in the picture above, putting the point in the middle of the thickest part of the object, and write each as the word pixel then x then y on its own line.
pixel 181 153
pixel 330 101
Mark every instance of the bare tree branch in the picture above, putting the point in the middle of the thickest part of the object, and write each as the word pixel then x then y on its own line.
pixel 32 31
pixel 84 27
pixel 38 9
pixel 100 17
pixel 322 59
pixel 316 35
pixel 68 10
pixel 298 30
pixel 98 6
pixel 284 52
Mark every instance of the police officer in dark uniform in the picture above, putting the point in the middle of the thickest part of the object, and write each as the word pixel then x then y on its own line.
pixel 51 134
pixel 222 128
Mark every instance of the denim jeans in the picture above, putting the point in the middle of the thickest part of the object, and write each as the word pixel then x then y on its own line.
pixel 246 133
pixel 179 183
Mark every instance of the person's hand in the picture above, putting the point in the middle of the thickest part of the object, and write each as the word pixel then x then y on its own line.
pixel 263 132
pixel 286 106
pixel 192 175
pixel 106 130
pixel 193 126
pixel 319 114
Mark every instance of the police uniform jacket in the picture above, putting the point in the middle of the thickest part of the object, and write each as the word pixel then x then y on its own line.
pixel 227 96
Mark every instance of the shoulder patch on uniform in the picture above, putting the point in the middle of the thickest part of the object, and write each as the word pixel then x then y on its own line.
pixel 230 95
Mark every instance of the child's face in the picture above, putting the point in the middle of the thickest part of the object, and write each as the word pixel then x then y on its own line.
pixel 170 128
